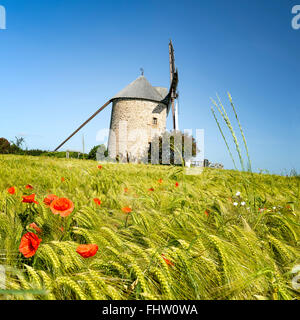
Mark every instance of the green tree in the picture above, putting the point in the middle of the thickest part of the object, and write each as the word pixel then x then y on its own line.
pixel 184 150
pixel 97 149
pixel 4 146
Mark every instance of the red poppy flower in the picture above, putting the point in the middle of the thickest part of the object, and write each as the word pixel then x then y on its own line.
pixel 97 201
pixel 206 213
pixel 30 187
pixel 49 199
pixel 35 227
pixel 61 229
pixel 62 179
pixel 176 184
pixel 126 210
pixel 168 262
pixel 62 206
pixel 160 180
pixel 11 190
pixel 29 244
pixel 151 189
pixel 126 190
pixel 29 199
pixel 87 250
pixel 100 167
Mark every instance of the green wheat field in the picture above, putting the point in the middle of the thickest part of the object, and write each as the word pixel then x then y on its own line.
pixel 217 235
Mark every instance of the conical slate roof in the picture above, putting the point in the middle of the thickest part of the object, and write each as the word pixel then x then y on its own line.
pixel 162 91
pixel 142 89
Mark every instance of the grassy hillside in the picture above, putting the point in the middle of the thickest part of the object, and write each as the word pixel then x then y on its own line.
pixel 197 240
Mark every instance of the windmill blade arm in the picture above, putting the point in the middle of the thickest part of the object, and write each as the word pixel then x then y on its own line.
pixel 172 91
pixel 85 123
pixel 172 96
pixel 173 86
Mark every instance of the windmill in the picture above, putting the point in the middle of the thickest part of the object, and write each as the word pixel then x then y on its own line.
pixel 141 89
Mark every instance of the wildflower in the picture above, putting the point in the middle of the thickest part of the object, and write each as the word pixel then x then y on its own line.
pixel 62 179
pixel 97 201
pixel 61 229
pixel 235 204
pixel 274 208
pixel 11 190
pixel 29 244
pixel 160 180
pixel 48 200
pixel 126 190
pixel 62 206
pixel 29 199
pixel 243 203
pixel 168 262
pixel 100 167
pixel 29 187
pixel 126 210
pixel 261 210
pixel 176 184
pixel 206 212
pixel 87 250
pixel 238 194
pixel 151 189
pixel 35 227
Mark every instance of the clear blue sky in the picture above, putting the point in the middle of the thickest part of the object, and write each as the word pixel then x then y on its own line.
pixel 60 60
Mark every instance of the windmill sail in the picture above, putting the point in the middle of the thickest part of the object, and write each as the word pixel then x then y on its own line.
pixel 173 84
pixel 176 115
pixel 85 123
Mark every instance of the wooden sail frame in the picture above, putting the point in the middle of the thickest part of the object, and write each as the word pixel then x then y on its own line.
pixel 173 82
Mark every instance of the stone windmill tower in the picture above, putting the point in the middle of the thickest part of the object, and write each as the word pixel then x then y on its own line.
pixel 139 112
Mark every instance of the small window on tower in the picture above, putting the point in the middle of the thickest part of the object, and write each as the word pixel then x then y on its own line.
pixel 154 121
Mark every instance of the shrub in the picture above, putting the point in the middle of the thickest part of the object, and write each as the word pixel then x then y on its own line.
pixel 33 152
pixel 14 149
pixel 4 145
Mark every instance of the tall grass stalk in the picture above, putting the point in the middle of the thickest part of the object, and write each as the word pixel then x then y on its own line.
pixel 225 117
pixel 228 123
pixel 221 131
pixel 242 133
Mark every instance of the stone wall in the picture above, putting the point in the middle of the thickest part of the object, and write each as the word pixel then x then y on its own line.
pixel 133 125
